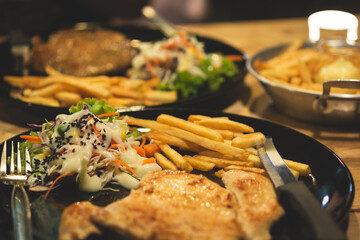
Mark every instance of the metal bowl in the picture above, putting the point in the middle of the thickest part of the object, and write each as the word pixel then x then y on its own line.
pixel 306 105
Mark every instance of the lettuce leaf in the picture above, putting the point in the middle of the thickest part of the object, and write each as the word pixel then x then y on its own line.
pixel 95 106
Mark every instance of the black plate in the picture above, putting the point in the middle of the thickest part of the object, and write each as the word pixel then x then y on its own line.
pixel 331 181
pixel 214 100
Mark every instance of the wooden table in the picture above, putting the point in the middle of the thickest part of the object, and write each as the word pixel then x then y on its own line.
pixel 251 37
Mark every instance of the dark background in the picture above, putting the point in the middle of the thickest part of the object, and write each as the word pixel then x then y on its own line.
pixel 48 15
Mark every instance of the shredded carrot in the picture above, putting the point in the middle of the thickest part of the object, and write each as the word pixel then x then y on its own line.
pixel 31 139
pixel 235 58
pixel 187 43
pixel 115 145
pixel 140 151
pixel 96 131
pixel 118 161
pixel 151 149
pixel 57 179
pixel 108 114
pixel 170 45
pixel 143 142
pixel 149 67
pixel 167 58
pixel 149 160
pixel 156 61
pixel 133 123
pixel 183 34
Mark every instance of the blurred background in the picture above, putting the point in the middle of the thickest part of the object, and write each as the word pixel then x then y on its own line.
pixel 48 15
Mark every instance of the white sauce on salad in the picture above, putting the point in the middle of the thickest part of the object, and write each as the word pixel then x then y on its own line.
pixel 95 149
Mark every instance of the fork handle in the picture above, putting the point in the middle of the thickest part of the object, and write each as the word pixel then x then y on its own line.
pixel 20 208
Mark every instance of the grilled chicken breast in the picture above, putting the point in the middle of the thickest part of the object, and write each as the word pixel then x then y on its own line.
pixel 258 207
pixel 174 205
pixel 76 223
pixel 179 205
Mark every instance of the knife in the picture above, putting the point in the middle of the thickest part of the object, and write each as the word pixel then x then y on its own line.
pixel 295 195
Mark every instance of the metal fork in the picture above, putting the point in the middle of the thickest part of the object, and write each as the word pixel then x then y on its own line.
pixel 20 204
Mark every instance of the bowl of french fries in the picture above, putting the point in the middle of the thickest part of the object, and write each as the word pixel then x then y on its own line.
pixel 313 82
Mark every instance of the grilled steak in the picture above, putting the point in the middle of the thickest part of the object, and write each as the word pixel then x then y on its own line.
pixel 174 205
pixel 258 207
pixel 82 52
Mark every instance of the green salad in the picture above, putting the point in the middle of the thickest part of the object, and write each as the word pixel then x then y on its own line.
pixel 93 144
pixel 182 65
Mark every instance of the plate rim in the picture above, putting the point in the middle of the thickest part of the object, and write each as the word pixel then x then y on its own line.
pixel 186 111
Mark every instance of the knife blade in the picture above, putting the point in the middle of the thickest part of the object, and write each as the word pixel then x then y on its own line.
pixel 296 196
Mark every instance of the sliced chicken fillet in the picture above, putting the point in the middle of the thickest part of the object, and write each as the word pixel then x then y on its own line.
pixel 174 205
pixel 258 207
pixel 75 221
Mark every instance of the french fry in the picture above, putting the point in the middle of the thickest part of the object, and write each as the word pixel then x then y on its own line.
pixel 225 124
pixel 255 159
pixel 189 168
pixel 305 73
pixel 53 72
pixel 41 100
pixel 215 154
pixel 198 164
pixel 161 96
pixel 174 141
pixel 132 84
pixel 247 169
pixel 173 155
pixel 82 86
pixel 252 151
pixel 226 134
pixel 46 91
pixel 23 82
pixel 191 137
pixel 295 173
pixel 303 169
pixel 67 98
pixel 189 126
pixel 299 67
pixel 221 163
pixel 153 82
pixel 126 92
pixel 122 102
pixel 248 140
pixel 118 91
pixel 164 162
pixel 195 117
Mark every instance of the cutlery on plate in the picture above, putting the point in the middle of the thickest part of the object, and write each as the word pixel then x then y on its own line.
pixel 295 194
pixel 167 28
pixel 20 205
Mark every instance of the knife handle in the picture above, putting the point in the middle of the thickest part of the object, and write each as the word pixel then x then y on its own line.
pixel 297 197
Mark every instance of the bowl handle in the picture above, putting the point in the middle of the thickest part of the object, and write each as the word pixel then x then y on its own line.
pixel 320 104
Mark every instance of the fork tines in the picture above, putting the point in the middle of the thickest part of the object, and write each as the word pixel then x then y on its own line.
pixel 12 176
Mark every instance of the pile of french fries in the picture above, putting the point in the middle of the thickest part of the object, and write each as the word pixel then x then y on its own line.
pixel 61 90
pixel 306 68
pixel 204 143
